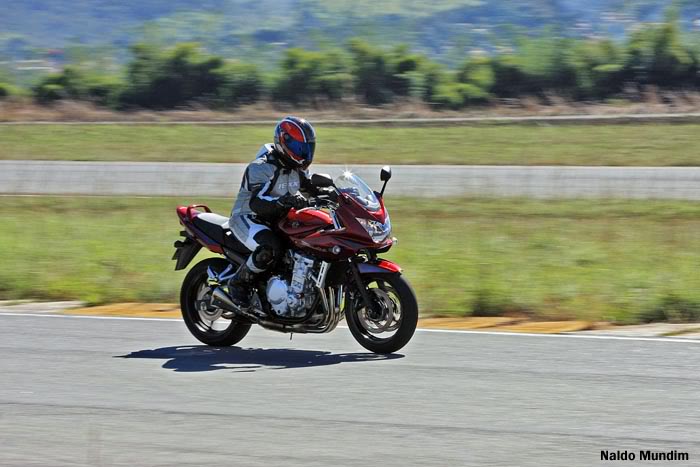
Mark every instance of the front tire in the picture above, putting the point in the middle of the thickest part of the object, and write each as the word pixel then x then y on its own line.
pixel 391 329
pixel 199 322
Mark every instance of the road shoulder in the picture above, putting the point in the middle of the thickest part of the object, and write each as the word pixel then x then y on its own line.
pixel 488 324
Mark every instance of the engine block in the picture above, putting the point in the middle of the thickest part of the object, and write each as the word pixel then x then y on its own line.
pixel 292 298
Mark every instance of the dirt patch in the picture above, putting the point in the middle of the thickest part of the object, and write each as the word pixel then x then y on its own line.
pixel 467 322
pixel 24 110
pixel 547 327
pixel 138 310
pixel 172 310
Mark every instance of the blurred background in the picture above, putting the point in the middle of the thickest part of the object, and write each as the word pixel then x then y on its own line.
pixel 545 152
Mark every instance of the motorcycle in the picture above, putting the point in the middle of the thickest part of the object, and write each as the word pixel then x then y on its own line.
pixel 330 270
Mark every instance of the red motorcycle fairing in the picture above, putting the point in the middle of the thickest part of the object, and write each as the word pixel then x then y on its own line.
pixel 304 220
pixel 312 230
pixel 381 266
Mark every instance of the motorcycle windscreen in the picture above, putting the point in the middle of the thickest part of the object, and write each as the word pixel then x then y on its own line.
pixel 352 185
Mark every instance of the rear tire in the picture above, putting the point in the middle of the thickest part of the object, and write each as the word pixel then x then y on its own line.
pixel 407 304
pixel 191 286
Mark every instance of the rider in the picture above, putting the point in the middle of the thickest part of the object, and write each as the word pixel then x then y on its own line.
pixel 272 184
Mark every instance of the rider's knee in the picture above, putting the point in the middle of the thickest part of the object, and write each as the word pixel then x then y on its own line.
pixel 269 250
pixel 263 257
pixel 269 242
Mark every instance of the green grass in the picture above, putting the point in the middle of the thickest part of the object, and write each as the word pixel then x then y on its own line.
pixel 616 145
pixel 622 261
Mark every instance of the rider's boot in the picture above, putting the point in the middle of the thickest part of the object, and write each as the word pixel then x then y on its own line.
pixel 239 286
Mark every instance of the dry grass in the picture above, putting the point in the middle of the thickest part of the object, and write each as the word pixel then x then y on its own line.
pixel 650 101
pixel 633 144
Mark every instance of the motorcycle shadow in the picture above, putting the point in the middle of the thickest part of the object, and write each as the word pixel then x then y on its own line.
pixel 196 358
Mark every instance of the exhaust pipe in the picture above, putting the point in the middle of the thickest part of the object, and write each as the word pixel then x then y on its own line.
pixel 220 299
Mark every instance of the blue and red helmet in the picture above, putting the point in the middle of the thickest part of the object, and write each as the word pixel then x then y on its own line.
pixel 295 141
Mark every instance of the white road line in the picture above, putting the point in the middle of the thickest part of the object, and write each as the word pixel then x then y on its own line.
pixel 567 334
pixel 134 318
pixel 444 331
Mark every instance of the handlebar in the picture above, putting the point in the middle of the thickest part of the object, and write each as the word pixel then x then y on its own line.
pixel 322 201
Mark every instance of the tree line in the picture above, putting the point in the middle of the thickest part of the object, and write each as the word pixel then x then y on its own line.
pixel 658 55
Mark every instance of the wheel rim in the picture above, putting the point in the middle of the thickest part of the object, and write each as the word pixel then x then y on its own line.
pixel 380 324
pixel 208 319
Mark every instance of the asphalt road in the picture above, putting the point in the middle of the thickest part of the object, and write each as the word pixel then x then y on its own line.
pixel 209 179
pixel 79 391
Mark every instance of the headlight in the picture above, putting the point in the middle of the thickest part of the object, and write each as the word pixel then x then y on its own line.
pixel 378 231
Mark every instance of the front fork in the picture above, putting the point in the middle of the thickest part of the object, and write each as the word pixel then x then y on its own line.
pixel 361 288
pixel 373 266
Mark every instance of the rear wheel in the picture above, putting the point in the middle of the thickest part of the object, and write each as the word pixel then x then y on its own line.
pixel 391 322
pixel 204 321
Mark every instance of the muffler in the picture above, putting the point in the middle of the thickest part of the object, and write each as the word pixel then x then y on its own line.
pixel 220 299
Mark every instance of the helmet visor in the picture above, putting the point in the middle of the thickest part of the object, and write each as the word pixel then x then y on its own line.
pixel 302 152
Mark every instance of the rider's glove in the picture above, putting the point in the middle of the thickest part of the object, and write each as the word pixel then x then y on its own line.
pixel 293 201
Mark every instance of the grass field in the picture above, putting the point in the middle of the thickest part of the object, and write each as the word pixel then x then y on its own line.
pixel 613 145
pixel 612 260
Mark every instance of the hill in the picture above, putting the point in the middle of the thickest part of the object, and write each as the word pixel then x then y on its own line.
pixel 260 29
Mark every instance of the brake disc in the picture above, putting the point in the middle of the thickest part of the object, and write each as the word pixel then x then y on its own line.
pixel 204 308
pixel 386 321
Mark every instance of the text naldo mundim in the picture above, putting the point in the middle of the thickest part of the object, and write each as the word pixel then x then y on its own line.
pixel 644 455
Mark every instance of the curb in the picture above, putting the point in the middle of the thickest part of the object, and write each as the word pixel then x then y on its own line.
pixel 548 327
pixel 685 331
pixel 497 323
pixel 136 310
pixel 474 323
pixel 27 306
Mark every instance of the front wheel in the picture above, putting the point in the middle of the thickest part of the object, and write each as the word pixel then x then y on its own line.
pixel 205 322
pixel 391 322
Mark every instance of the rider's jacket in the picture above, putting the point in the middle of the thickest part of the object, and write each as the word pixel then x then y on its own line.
pixel 264 182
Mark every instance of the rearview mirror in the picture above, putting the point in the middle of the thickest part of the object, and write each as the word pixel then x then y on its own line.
pixel 321 180
pixel 385 174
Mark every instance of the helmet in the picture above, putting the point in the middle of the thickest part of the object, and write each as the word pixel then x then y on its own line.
pixel 295 141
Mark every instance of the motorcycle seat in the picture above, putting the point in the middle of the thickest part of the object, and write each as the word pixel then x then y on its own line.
pixel 216 227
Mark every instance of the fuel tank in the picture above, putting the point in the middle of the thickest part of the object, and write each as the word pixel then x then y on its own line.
pixel 305 221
